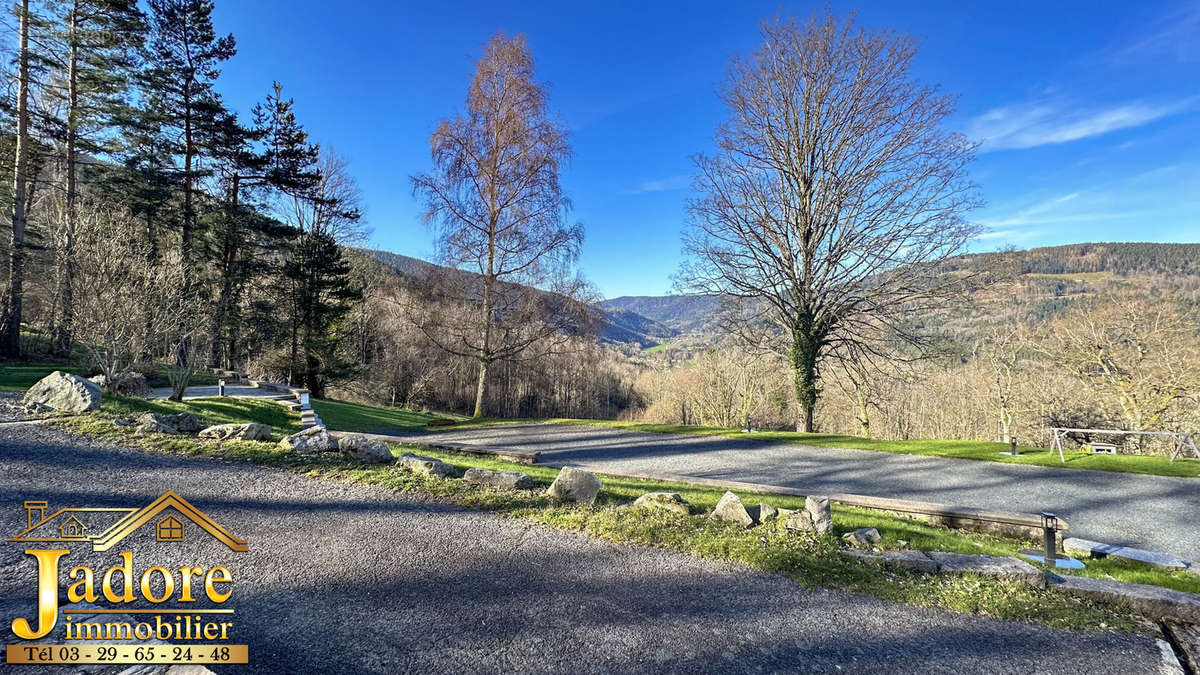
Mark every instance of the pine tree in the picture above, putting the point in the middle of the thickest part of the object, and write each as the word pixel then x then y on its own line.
pixel 184 56
pixel 95 56
pixel 269 160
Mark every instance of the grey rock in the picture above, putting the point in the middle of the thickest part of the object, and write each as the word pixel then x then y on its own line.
pixel 799 521
pixel 129 384
pixel 863 538
pixel 502 480
pixel 1187 637
pixel 822 517
pixel 426 465
pixel 154 423
pixel 364 449
pixel 119 422
pixel 730 509
pixel 251 431
pixel 311 441
pixel 765 513
pixel 186 423
pixel 133 384
pixel 912 560
pixel 1155 602
pixel 668 501
pixel 63 392
pixel 1095 549
pixel 1002 567
pixel 575 485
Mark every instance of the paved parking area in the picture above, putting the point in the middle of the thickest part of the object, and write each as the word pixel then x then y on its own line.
pixel 1153 512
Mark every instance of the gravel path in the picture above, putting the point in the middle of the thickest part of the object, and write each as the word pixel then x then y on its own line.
pixel 1154 512
pixel 10 407
pixel 352 578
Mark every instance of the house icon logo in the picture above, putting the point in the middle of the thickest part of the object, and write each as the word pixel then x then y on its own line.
pixel 172 515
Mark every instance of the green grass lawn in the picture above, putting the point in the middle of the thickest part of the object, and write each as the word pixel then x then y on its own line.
pixel 347 416
pixel 977 450
pixel 21 376
pixel 214 410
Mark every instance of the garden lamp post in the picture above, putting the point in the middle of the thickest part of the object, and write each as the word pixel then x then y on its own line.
pixel 1049 535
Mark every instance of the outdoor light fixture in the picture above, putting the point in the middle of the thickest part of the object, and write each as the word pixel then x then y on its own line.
pixel 1049 553
pixel 1049 534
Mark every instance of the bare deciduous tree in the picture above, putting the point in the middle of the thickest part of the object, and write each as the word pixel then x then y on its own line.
pixel 1140 358
pixel 128 309
pixel 834 194
pixel 501 220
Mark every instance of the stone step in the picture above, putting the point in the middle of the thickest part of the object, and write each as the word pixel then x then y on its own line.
pixel 1097 549
pixel 1002 567
pixel 1186 639
pixel 912 560
pixel 1155 602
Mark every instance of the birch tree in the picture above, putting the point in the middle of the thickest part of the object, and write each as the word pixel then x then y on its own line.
pixel 501 218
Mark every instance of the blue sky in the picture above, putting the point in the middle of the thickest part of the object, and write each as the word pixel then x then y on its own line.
pixel 1089 113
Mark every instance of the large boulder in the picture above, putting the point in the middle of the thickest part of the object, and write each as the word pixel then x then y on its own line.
pixel 63 392
pixel 575 485
pixel 503 480
pixel 311 441
pixel 730 509
pixel 426 465
pixel 667 501
pixel 364 449
pixel 251 431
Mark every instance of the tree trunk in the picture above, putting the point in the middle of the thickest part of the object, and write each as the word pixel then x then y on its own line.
pixel 485 354
pixel 10 338
pixel 806 350
pixel 229 261
pixel 864 420
pixel 66 263
pixel 481 388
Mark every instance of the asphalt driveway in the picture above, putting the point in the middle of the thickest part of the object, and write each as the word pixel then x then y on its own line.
pixel 356 579
pixel 1154 512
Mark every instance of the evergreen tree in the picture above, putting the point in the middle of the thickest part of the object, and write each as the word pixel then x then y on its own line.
pixel 94 55
pixel 184 56
pixel 322 295
pixel 269 160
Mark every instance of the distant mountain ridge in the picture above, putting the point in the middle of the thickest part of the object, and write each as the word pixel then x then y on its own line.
pixel 620 326
pixel 649 320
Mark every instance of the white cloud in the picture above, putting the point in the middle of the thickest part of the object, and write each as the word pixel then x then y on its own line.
pixel 1008 235
pixel 663 185
pixel 1171 36
pixel 1030 124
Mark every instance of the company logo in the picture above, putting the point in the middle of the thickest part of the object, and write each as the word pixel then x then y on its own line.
pixel 105 528
pixel 119 633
